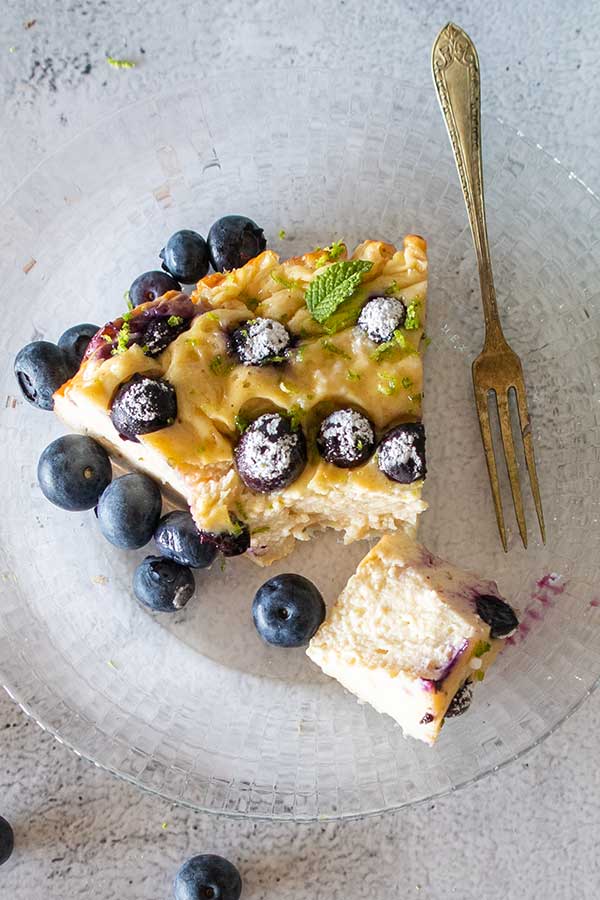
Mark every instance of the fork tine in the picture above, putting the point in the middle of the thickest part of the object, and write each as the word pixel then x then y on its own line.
pixel 481 400
pixel 511 463
pixel 525 423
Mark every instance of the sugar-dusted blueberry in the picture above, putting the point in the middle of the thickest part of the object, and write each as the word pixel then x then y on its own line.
pixel 73 471
pixel 40 369
pixel 346 438
pixel 178 538
pixel 229 543
pixel 401 453
pixel 287 610
pixel 461 701
pixel 270 454
pixel 260 341
pixel 160 333
pixel 143 405
pixel 149 286
pixel 498 614
pixel 380 317
pixel 232 241
pixel 185 256
pixel 162 584
pixel 207 876
pixel 7 840
pixel 128 511
pixel 74 342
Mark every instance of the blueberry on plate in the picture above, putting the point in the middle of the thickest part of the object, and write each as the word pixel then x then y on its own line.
pixel 380 317
pixel 143 405
pixel 207 876
pixel 73 471
pixel 7 840
pixel 149 286
pixel 74 342
pixel 178 538
pixel 162 584
pixel 232 241
pixel 41 368
pixel 401 453
pixel 287 610
pixel 259 342
pixel 346 438
pixel 498 614
pixel 185 256
pixel 270 454
pixel 461 701
pixel 128 511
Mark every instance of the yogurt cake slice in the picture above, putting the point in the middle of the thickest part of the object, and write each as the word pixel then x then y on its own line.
pixel 278 399
pixel 411 634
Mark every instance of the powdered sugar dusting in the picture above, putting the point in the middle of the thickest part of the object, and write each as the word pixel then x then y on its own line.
pixel 400 450
pixel 269 454
pixel 349 432
pixel 142 402
pixel 380 317
pixel 261 339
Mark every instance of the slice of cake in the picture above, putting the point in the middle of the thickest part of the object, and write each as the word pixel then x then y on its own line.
pixel 411 634
pixel 277 399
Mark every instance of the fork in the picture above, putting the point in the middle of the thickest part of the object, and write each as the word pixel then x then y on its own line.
pixel 497 370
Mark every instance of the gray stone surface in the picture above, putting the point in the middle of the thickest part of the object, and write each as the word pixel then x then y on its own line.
pixel 531 830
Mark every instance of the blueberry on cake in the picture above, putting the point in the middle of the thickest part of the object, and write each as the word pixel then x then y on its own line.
pixel 412 635
pixel 278 398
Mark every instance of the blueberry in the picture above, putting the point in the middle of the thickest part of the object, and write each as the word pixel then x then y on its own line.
pixel 74 342
pixel 380 317
pixel 207 876
pixel 229 543
pixel 41 368
pixel 73 471
pixel 401 453
pixel 185 256
pixel 178 538
pixel 461 701
pixel 149 286
pixel 260 341
pixel 232 241
pixel 143 405
pixel 287 610
pixel 128 511
pixel 346 438
pixel 497 614
pixel 162 584
pixel 270 454
pixel 159 333
pixel 7 840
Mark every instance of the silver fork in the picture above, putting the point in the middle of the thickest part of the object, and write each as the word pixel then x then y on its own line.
pixel 497 370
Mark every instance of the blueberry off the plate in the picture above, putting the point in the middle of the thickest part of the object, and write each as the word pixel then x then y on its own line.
pixel 74 342
pixel 207 876
pixel 7 840
pixel 163 585
pixel 185 256
pixel 232 241
pixel 149 286
pixel 287 610
pixel 73 471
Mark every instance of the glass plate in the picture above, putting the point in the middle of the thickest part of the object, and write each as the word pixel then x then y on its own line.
pixel 194 706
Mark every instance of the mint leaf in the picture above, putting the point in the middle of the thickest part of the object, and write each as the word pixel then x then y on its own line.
pixel 330 288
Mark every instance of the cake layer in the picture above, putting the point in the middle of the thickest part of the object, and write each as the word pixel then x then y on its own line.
pixel 407 633
pixel 330 364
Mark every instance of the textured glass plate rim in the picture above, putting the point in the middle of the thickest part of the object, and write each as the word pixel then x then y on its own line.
pixel 12 689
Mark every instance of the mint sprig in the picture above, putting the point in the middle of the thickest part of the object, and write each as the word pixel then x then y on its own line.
pixel 330 288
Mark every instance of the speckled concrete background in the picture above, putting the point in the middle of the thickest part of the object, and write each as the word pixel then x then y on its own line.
pixel 532 830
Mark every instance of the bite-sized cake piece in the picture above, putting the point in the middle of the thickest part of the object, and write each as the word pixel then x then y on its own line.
pixel 411 634
pixel 278 399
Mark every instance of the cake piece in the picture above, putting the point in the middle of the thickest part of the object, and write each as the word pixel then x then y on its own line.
pixel 411 634
pixel 264 397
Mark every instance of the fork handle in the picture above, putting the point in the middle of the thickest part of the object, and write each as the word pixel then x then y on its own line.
pixel 455 67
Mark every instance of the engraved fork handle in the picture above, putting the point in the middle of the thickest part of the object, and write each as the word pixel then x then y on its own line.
pixel 455 67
